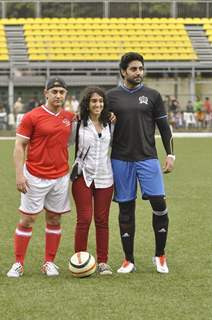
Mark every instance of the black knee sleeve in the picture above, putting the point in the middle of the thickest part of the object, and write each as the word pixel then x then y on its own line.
pixel 126 212
pixel 158 205
pixel 160 213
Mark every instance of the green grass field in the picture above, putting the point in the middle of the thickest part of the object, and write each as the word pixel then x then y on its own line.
pixel 185 293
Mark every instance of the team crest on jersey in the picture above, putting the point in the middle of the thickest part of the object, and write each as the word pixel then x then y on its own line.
pixel 143 99
pixel 67 122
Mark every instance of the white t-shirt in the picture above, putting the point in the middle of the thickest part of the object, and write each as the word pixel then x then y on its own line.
pixel 97 164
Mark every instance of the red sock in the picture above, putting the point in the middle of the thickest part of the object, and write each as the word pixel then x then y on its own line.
pixel 53 235
pixel 21 241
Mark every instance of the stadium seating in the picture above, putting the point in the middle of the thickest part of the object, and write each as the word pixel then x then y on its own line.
pixel 99 39
pixel 3 44
pixel 96 39
pixel 208 29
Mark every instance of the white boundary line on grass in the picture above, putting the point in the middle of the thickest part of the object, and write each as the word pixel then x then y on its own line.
pixel 175 135
pixel 7 138
pixel 190 135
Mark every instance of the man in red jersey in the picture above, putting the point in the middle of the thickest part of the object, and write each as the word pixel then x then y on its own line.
pixel 42 174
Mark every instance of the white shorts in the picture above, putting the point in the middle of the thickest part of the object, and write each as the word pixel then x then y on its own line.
pixel 51 194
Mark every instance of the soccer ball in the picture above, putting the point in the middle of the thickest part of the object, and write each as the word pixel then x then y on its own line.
pixel 82 264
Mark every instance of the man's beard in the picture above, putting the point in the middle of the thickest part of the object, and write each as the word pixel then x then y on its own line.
pixel 135 82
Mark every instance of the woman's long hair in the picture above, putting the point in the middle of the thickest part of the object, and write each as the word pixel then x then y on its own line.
pixel 84 106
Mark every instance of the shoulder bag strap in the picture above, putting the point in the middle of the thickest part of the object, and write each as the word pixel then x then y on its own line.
pixel 77 137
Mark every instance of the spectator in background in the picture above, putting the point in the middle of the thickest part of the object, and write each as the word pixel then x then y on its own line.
pixel 208 112
pixel 6 107
pixel 207 105
pixel 74 104
pixel 198 104
pixel 174 105
pixel 3 118
pixel 67 104
pixel 18 107
pixel 32 103
pixel 189 106
pixel 175 116
pixel 199 112
pixel 188 116
pixel 178 117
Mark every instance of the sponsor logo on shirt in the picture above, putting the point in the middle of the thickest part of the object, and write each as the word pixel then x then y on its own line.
pixel 67 122
pixel 143 99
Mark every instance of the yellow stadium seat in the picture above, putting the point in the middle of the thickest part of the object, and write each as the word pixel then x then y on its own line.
pixel 33 57
pixel 4 57
pixel 107 38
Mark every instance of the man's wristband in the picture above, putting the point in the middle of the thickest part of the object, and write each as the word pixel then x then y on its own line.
pixel 171 156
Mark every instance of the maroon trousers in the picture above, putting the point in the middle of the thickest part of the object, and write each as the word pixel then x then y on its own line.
pixel 92 201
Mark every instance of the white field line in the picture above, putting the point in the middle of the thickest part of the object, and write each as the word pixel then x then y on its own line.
pixel 175 135
pixel 7 138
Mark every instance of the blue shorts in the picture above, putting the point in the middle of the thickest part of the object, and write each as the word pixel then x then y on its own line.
pixel 127 173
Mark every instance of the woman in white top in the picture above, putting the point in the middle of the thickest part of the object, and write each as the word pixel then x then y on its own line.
pixel 93 190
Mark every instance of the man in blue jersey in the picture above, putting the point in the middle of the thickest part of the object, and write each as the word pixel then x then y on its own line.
pixel 139 110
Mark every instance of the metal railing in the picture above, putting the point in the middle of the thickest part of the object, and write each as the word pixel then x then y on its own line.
pixel 105 8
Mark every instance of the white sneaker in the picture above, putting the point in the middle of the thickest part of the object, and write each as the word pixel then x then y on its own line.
pixel 160 263
pixel 16 271
pixel 104 269
pixel 50 269
pixel 127 267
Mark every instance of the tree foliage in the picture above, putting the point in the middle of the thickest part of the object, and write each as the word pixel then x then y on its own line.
pixel 20 10
pixel 124 9
pixel 116 9
pixel 51 10
pixel 156 10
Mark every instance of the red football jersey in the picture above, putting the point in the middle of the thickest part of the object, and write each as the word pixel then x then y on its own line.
pixel 48 135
